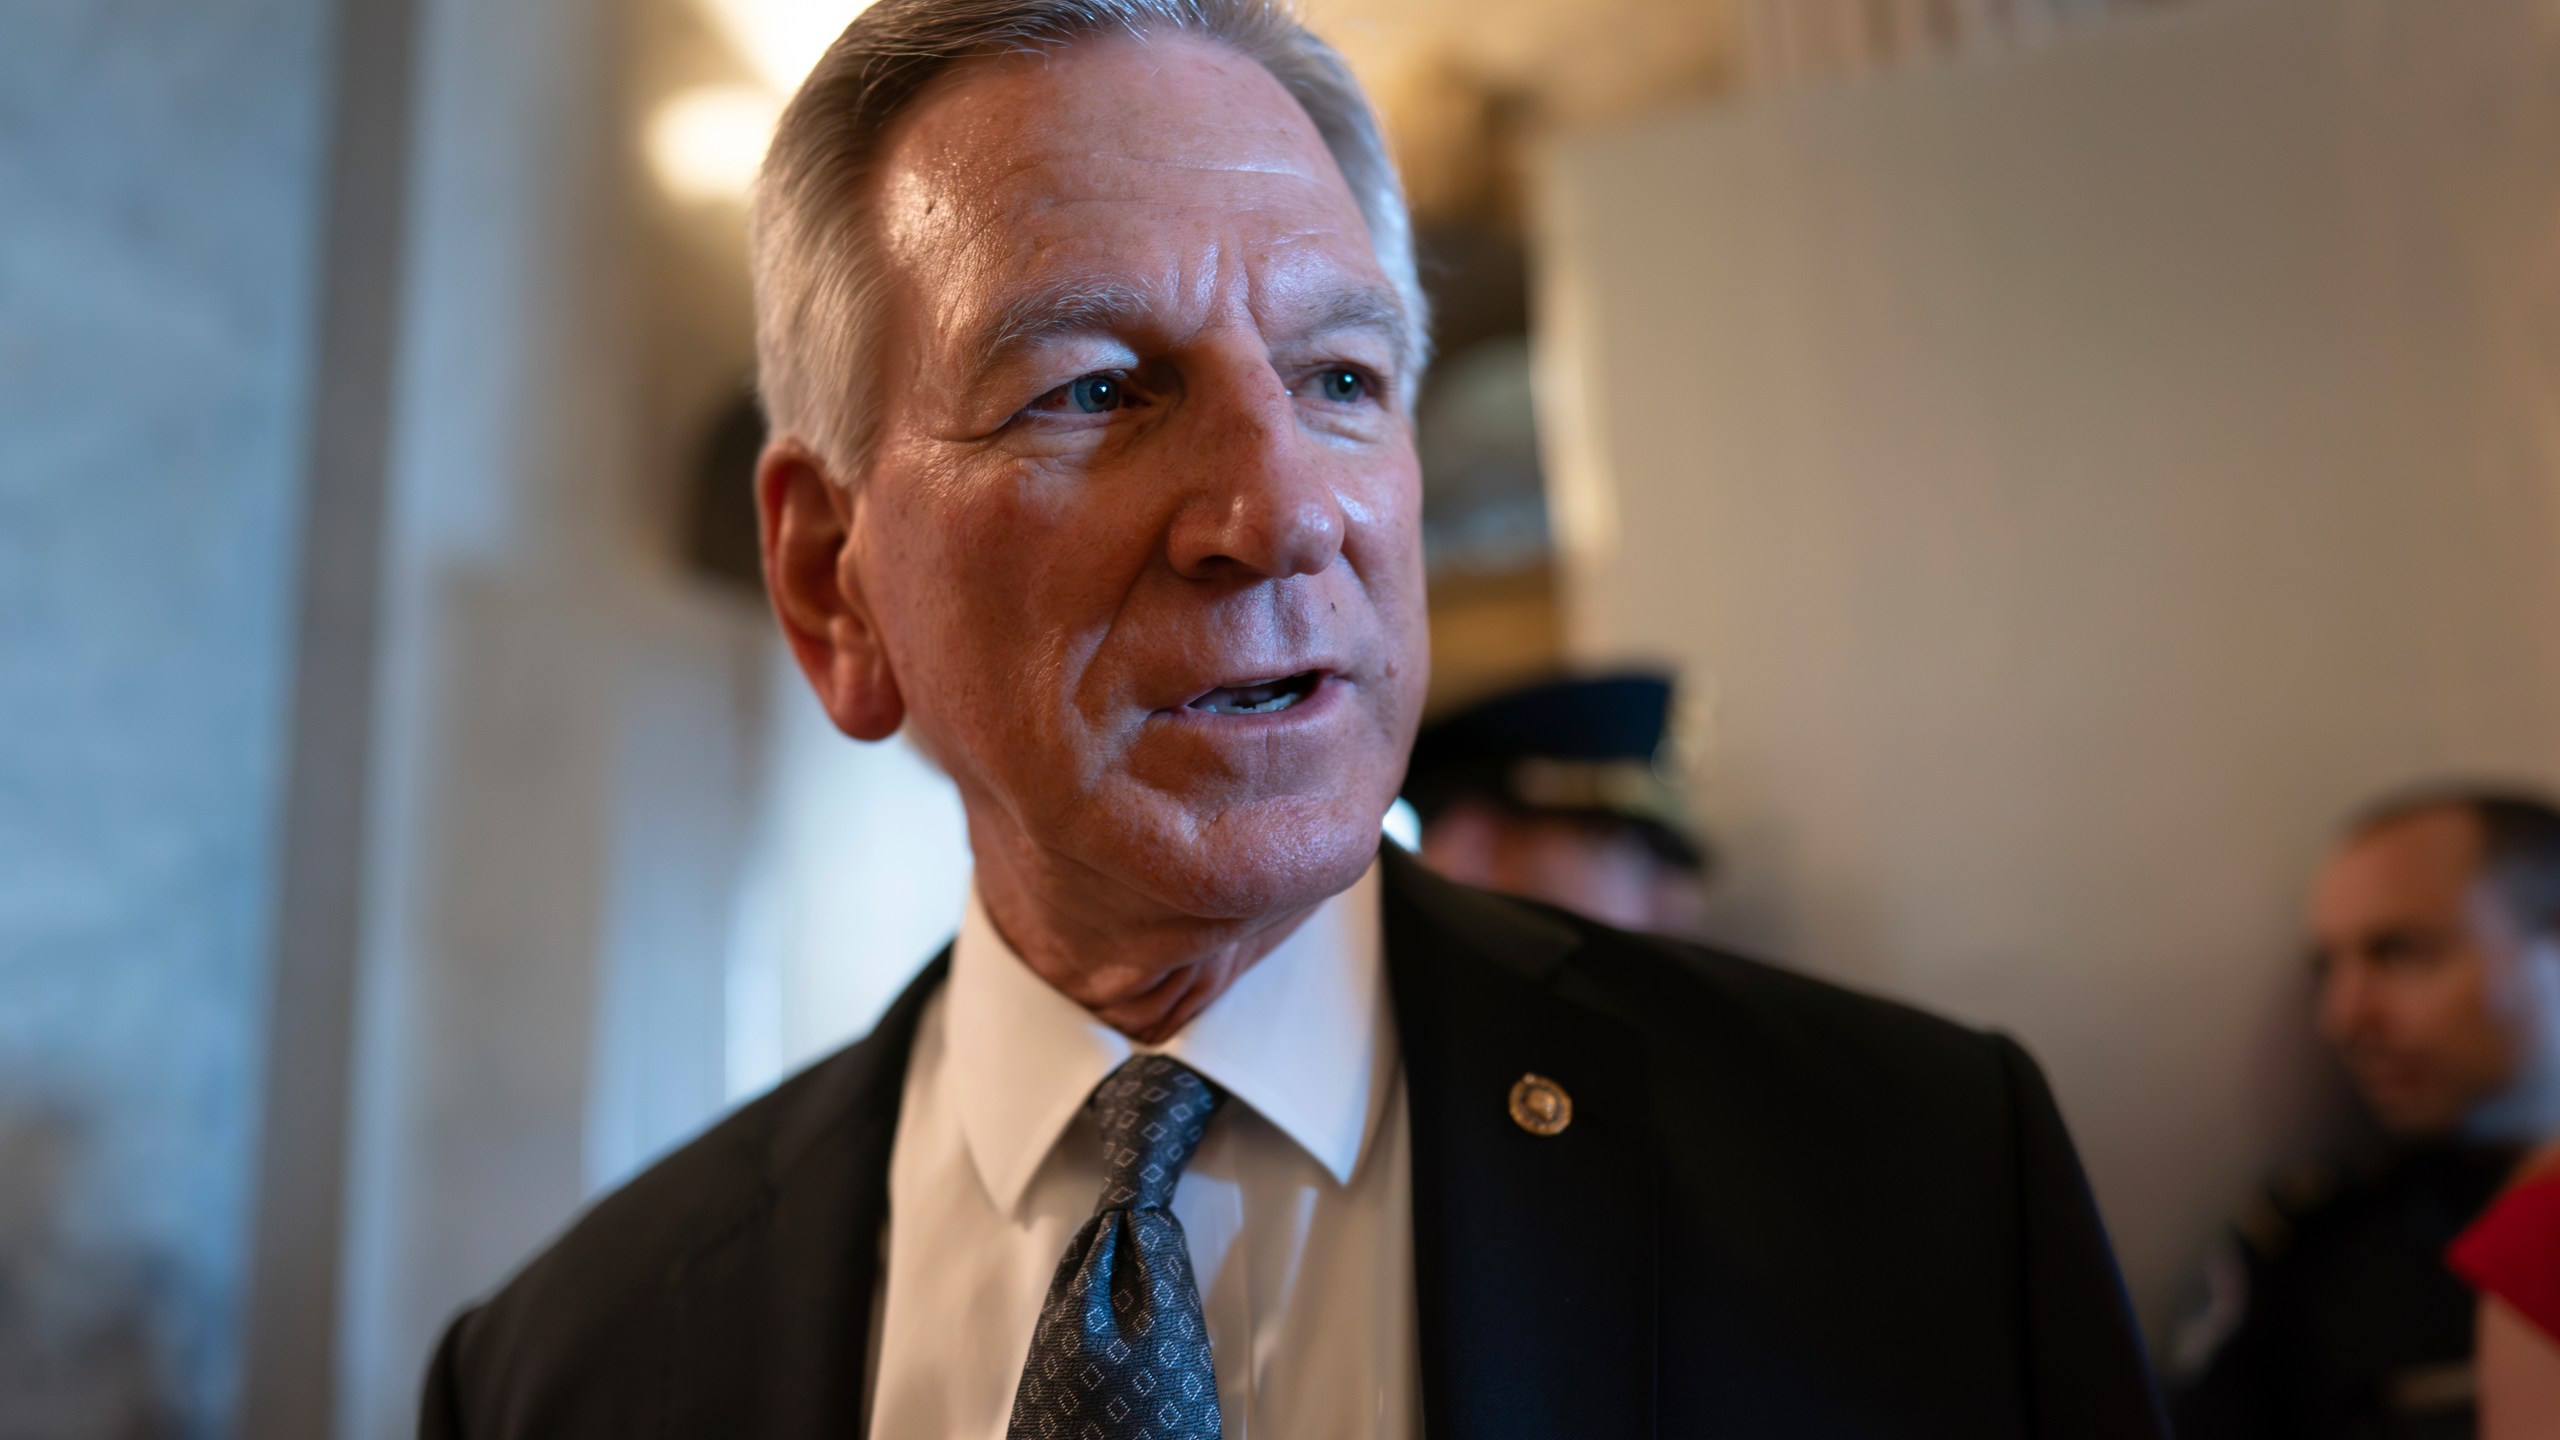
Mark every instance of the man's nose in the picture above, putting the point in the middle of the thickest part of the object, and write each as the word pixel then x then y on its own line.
pixel 1264 504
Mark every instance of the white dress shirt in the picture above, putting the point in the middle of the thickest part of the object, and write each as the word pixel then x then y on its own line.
pixel 1298 1206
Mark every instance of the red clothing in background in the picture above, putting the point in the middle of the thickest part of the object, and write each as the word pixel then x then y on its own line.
pixel 2513 1251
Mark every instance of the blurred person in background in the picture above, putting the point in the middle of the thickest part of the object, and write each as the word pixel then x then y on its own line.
pixel 2436 945
pixel 1088 330
pixel 1566 792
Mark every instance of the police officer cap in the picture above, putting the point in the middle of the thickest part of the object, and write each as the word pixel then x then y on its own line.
pixel 1590 747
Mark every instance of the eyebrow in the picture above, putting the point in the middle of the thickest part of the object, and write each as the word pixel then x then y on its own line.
pixel 1366 308
pixel 1090 307
pixel 1072 308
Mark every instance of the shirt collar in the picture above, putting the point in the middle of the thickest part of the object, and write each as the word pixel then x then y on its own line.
pixel 1303 1037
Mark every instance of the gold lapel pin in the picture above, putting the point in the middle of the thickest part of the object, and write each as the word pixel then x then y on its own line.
pixel 1540 1106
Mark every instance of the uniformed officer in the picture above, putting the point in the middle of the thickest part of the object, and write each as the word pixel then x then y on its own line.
pixel 2436 945
pixel 1567 791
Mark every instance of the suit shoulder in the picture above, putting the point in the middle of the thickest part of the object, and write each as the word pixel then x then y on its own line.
pixel 586 1310
pixel 1827 1088
pixel 1663 986
pixel 1680 986
pixel 1871 1076
pixel 633 1238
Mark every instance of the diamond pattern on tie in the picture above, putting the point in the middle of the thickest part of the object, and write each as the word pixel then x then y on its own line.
pixel 1104 1327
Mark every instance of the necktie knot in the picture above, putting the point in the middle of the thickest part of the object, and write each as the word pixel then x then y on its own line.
pixel 1152 1111
pixel 1121 1351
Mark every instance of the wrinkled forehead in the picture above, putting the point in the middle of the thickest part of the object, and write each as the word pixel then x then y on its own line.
pixel 1138 161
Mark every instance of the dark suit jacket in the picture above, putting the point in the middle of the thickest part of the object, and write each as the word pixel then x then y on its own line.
pixel 1780 1209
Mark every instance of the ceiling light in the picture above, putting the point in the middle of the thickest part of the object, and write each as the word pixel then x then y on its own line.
pixel 706 144
pixel 782 38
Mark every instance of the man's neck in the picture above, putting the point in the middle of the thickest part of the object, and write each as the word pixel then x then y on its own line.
pixel 1141 967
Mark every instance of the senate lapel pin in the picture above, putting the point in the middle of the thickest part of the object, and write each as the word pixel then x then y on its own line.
pixel 1540 1106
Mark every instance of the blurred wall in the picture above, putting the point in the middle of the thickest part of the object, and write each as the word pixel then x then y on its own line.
pixel 160 171
pixel 557 730
pixel 2073 479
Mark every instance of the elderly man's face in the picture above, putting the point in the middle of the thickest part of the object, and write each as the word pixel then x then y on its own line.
pixel 1138 554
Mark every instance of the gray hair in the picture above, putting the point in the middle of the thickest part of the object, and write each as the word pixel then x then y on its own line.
pixel 819 281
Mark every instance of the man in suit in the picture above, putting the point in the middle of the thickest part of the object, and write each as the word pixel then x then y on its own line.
pixel 2329 1311
pixel 1089 333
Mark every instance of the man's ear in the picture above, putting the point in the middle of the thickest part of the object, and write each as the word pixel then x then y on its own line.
pixel 805 518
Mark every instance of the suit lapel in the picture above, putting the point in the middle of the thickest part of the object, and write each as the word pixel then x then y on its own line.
pixel 1534 1255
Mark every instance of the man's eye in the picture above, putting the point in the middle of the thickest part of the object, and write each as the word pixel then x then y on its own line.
pixel 1342 386
pixel 1094 394
pixel 2405 952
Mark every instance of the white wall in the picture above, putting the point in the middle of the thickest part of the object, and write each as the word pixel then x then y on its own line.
pixel 523 648
pixel 2075 478
pixel 853 878
pixel 620 872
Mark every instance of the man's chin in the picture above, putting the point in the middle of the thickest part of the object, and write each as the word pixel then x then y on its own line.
pixel 2411 1118
pixel 1242 864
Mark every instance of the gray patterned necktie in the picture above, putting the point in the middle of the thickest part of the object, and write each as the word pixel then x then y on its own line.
pixel 1120 1352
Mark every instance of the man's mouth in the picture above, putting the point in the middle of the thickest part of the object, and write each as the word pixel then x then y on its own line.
pixel 1259 697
